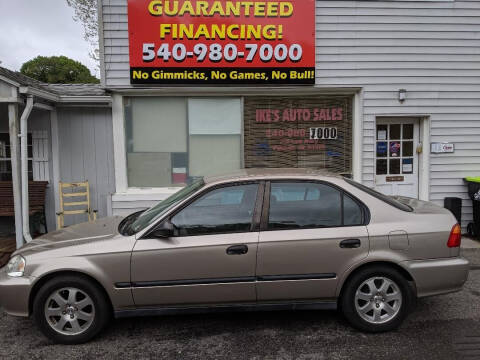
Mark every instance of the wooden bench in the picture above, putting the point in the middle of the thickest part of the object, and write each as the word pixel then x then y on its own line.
pixel 36 198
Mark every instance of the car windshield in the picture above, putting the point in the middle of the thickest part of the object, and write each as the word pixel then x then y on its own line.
pixel 140 220
pixel 385 198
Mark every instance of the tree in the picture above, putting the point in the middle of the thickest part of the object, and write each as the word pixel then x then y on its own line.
pixel 86 12
pixel 58 70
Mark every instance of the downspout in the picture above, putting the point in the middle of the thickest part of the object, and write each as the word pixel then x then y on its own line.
pixel 14 125
pixel 24 159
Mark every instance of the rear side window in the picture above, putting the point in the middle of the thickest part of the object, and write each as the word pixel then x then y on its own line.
pixel 385 198
pixel 304 205
pixel 352 212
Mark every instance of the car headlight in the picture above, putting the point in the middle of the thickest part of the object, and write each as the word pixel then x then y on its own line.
pixel 16 266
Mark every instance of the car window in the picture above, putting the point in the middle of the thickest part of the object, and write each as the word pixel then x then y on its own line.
pixel 295 193
pixel 232 196
pixel 352 212
pixel 385 198
pixel 223 210
pixel 140 220
pixel 304 205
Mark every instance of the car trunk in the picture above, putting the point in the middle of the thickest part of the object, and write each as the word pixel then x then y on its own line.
pixel 433 243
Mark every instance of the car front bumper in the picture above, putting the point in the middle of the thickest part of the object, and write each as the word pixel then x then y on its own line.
pixel 438 276
pixel 14 294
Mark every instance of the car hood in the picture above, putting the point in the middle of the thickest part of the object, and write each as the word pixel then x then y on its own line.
pixel 74 235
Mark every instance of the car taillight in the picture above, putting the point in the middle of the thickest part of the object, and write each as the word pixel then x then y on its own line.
pixel 455 236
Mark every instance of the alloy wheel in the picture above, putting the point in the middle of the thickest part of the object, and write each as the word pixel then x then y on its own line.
pixel 378 300
pixel 69 311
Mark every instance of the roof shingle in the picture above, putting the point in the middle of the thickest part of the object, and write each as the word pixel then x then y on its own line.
pixel 56 89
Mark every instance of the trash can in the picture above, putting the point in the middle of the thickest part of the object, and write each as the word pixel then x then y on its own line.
pixel 454 204
pixel 474 193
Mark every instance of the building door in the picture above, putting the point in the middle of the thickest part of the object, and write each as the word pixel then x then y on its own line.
pixel 396 157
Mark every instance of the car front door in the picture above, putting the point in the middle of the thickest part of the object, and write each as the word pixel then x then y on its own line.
pixel 211 259
pixel 311 233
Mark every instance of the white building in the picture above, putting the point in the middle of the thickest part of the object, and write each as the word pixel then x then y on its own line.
pixel 396 79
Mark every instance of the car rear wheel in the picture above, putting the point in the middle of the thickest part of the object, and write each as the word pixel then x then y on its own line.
pixel 71 309
pixel 377 299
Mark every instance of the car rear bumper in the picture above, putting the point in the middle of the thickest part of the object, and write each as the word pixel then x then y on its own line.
pixel 438 276
pixel 14 294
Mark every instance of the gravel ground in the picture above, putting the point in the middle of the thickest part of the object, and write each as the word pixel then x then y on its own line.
pixel 444 327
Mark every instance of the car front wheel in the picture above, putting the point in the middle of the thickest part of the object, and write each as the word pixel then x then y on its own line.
pixel 71 309
pixel 377 299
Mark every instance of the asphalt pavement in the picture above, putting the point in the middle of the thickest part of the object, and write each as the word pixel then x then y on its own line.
pixel 442 327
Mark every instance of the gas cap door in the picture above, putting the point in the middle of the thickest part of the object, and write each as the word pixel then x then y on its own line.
pixel 398 240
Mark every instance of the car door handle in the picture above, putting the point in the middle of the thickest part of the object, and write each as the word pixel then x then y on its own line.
pixel 237 250
pixel 350 244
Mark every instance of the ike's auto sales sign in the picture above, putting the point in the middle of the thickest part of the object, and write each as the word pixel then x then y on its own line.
pixel 222 42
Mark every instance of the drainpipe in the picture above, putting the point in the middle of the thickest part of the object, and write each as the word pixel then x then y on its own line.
pixel 14 124
pixel 24 158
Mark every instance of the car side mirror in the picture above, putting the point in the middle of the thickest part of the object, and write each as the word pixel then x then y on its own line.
pixel 164 231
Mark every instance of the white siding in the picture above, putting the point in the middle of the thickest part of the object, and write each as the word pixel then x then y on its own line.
pixel 432 49
pixel 125 204
pixel 115 40
pixel 86 153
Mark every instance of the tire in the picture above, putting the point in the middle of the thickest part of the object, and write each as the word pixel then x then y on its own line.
pixel 377 299
pixel 71 309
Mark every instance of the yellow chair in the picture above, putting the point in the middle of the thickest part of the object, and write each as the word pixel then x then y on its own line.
pixel 74 195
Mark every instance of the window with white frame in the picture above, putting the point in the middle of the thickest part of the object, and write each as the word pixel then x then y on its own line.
pixel 170 140
pixel 5 157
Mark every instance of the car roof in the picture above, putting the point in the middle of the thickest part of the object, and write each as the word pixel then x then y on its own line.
pixel 271 173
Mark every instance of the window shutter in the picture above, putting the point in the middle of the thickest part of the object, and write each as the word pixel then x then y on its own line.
pixel 40 155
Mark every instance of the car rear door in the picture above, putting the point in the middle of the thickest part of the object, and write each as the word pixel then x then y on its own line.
pixel 311 233
pixel 212 257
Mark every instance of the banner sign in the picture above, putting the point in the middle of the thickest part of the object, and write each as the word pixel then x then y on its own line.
pixel 222 42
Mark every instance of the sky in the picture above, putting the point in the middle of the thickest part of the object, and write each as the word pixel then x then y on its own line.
pixel 29 28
